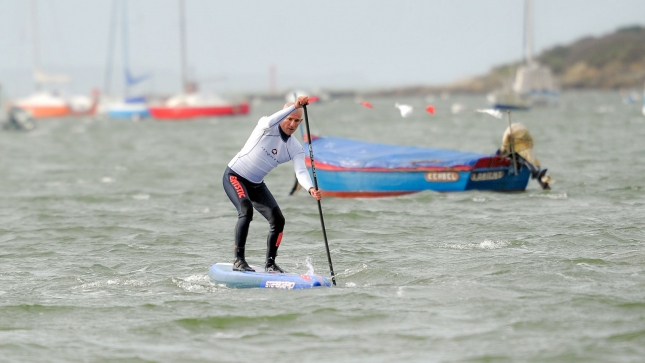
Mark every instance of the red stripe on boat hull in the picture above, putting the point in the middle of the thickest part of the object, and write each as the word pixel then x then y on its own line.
pixel 184 113
pixel 365 194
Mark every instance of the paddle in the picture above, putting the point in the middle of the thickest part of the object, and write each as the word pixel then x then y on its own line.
pixel 322 221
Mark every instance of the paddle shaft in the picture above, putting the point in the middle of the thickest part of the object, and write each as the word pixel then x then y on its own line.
pixel 322 220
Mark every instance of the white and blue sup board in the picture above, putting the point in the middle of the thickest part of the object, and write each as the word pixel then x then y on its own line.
pixel 222 273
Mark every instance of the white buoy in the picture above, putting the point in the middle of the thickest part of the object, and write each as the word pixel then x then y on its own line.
pixel 406 110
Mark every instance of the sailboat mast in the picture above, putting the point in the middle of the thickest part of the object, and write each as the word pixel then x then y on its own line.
pixel 182 40
pixel 528 32
pixel 126 48
pixel 35 41
pixel 108 64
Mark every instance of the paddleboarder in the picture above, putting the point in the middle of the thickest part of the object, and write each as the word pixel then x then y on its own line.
pixel 269 145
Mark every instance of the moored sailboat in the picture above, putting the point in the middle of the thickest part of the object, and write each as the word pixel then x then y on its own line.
pixel 51 104
pixel 128 107
pixel 191 104
pixel 534 84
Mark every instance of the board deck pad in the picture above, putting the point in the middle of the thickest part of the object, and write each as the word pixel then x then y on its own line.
pixel 222 273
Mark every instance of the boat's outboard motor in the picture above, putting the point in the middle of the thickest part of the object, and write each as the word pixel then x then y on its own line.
pixel 522 146
pixel 19 119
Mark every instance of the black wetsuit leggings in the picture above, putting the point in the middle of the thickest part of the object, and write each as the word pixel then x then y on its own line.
pixel 245 196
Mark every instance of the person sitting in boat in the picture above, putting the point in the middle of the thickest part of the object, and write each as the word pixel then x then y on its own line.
pixel 269 145
pixel 520 143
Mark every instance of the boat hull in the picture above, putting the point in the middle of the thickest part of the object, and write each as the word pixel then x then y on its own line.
pixel 46 111
pixel 186 113
pixel 372 184
pixel 349 168
pixel 132 114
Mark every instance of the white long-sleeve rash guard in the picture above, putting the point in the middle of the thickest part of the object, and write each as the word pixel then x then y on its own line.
pixel 265 149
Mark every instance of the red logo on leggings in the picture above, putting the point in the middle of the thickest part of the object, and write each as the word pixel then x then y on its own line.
pixel 277 243
pixel 237 186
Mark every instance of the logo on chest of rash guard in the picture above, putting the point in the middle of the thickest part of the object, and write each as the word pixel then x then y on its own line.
pixel 271 154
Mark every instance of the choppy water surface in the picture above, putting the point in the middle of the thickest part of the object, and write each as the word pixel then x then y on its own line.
pixel 107 230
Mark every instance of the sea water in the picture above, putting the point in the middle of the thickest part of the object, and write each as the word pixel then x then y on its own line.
pixel 107 230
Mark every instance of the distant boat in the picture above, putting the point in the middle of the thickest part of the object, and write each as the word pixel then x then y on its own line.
pixel 128 107
pixel 534 84
pixel 191 104
pixel 46 104
pixel 507 99
pixel 133 108
pixel 194 105
pixel 16 118
pixel 357 169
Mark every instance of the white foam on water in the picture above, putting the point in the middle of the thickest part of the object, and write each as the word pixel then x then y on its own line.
pixel 141 196
pixel 399 291
pixel 221 335
pixel 485 245
pixel 197 278
pixel 195 283
pixel 107 179
pixel 112 282
pixel 353 271
pixel 310 266
pixel 350 284
pixel 490 245
pixel 550 196
pixel 479 199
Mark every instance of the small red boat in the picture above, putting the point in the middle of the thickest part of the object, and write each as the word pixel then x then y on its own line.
pixel 188 106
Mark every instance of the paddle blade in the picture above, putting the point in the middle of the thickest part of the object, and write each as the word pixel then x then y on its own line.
pixel 367 104
pixel 430 109
pixel 313 99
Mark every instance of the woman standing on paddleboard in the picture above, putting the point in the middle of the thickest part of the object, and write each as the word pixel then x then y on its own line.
pixel 269 145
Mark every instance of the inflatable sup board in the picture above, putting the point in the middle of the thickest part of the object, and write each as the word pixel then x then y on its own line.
pixel 222 273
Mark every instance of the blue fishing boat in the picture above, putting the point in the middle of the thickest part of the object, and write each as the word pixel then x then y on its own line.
pixel 352 169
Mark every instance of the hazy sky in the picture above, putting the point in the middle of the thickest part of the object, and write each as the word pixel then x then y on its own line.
pixel 332 44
